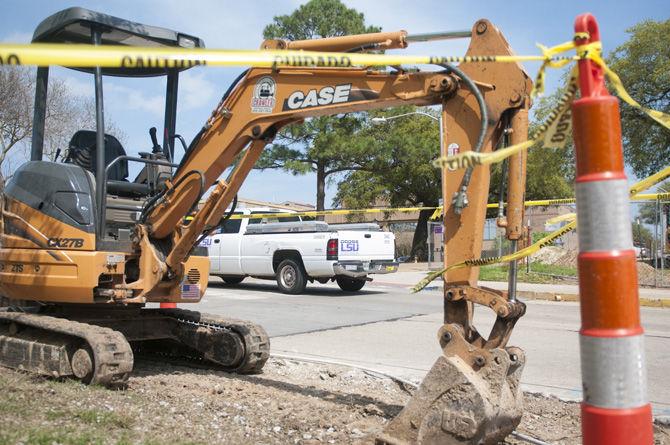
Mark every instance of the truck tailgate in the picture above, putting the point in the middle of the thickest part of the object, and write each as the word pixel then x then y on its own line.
pixel 365 245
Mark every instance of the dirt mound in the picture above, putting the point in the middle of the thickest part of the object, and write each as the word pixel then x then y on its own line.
pixel 645 273
pixel 556 256
pixel 290 403
pixel 569 259
pixel 548 255
pixel 648 276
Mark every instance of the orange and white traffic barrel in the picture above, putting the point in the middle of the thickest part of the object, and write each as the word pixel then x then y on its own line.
pixel 615 409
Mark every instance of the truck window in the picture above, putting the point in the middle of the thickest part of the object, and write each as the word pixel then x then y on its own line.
pixel 231 225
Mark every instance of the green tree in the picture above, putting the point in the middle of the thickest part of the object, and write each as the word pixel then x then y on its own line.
pixel 320 145
pixel 66 113
pixel 398 169
pixel 643 63
pixel 318 19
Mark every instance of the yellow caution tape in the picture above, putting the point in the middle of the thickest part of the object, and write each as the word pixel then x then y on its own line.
pixel 560 218
pixel 552 133
pixel 546 241
pixel 549 54
pixel 615 80
pixel 114 56
pixel 314 213
pixel 549 202
pixel 437 214
pixel 639 186
pixel 651 196
pixel 532 203
pixel 537 203
pixel 438 210
pixel 650 181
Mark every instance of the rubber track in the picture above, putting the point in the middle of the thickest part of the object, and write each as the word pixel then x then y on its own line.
pixel 255 339
pixel 112 355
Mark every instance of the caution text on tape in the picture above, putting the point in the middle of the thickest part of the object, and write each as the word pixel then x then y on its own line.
pixel 115 56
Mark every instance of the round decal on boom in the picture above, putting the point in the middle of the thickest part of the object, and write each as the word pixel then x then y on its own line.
pixel 263 100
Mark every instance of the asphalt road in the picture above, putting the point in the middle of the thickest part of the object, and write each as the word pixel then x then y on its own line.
pixel 387 328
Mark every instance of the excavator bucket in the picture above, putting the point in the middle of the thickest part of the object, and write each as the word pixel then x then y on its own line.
pixel 471 400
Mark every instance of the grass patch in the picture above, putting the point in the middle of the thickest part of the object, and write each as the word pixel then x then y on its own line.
pixel 104 418
pixel 553 269
pixel 12 405
pixel 68 436
pixel 45 436
pixel 539 273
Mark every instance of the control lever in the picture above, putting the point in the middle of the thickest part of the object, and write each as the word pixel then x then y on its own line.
pixel 154 140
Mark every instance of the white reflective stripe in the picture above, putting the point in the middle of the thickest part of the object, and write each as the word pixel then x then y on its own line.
pixel 603 216
pixel 613 371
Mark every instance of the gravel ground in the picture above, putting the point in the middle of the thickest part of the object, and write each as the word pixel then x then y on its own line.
pixel 290 403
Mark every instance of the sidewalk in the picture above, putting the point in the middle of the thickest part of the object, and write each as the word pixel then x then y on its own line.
pixel 411 273
pixel 408 347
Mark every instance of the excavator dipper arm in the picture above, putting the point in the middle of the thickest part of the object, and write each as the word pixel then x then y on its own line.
pixel 472 394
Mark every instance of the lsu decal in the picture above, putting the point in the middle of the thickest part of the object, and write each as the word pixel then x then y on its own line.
pixel 348 245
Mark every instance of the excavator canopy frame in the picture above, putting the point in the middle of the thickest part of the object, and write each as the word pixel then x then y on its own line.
pixel 82 26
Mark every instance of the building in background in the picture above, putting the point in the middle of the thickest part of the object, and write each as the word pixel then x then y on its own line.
pixel 286 205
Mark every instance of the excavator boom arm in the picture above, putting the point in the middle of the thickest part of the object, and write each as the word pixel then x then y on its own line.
pixel 264 102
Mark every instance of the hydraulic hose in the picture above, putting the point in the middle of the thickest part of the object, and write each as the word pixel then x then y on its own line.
pixel 208 232
pixel 460 200
pixel 152 202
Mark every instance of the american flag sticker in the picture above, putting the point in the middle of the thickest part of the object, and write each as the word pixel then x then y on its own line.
pixel 190 291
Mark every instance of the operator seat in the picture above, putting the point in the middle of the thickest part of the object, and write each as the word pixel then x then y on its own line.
pixel 82 152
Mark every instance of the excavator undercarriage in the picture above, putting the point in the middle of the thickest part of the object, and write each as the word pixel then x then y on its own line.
pixel 97 344
pixel 87 248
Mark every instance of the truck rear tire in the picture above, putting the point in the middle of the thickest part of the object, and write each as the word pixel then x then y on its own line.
pixel 350 284
pixel 232 280
pixel 291 277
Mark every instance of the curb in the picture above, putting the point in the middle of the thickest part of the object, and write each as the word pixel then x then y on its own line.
pixel 663 303
pixel 551 296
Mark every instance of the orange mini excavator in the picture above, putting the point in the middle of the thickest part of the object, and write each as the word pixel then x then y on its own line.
pixel 83 248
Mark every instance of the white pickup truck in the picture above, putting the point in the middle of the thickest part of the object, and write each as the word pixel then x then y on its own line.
pixel 294 252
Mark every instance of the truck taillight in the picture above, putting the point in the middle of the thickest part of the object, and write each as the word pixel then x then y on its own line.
pixel 331 249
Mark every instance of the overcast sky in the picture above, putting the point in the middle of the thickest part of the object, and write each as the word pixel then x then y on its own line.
pixel 137 105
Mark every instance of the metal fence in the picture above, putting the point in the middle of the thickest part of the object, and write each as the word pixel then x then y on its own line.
pixel 650 231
